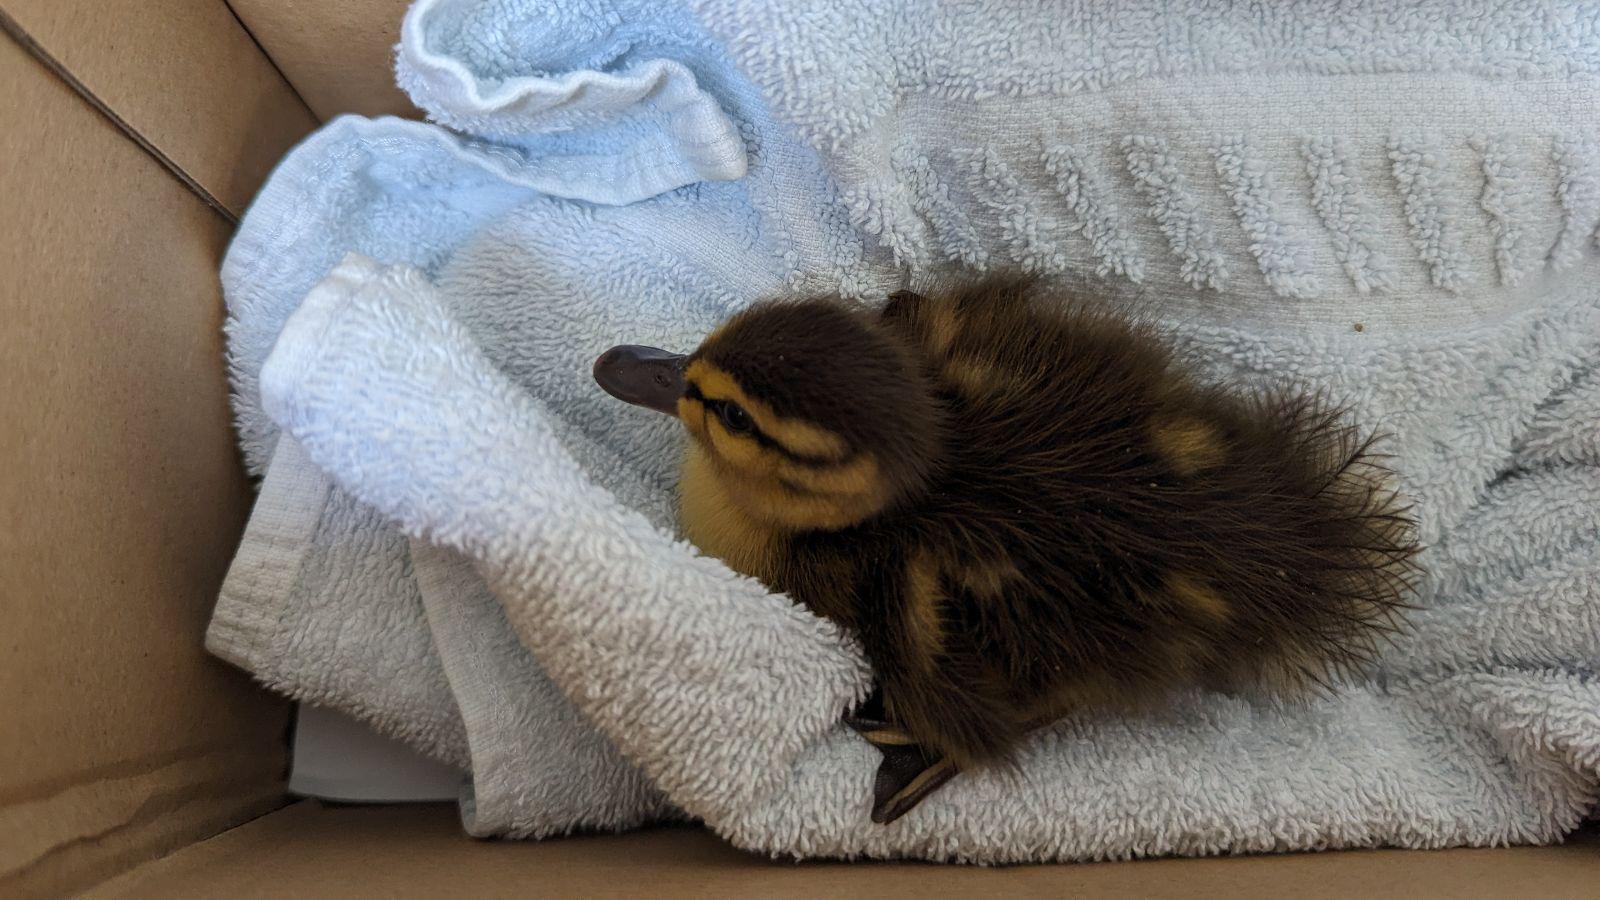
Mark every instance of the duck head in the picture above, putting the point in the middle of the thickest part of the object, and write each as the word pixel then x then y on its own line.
pixel 804 415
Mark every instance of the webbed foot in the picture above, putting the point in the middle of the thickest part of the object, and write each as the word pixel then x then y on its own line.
pixel 907 774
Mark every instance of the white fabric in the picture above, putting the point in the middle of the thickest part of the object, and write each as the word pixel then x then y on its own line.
pixel 1264 178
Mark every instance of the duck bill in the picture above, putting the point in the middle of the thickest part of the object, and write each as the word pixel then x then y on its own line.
pixel 643 376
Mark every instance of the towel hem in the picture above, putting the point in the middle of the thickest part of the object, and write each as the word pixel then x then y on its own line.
pixel 252 601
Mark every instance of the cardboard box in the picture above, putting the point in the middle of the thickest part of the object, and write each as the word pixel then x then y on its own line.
pixel 133 135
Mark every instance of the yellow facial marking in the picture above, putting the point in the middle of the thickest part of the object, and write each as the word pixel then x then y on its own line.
pixel 717 525
pixel 803 439
pixel 1188 444
pixel 741 451
pixel 1199 597
pixel 769 500
pixel 800 438
pixel 923 622
pixel 692 413
pixel 767 485
pixel 858 477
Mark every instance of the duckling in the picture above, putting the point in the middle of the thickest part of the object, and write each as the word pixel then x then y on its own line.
pixel 1024 507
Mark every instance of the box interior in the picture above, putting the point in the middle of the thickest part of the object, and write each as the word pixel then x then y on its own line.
pixel 134 136
pixel 378 851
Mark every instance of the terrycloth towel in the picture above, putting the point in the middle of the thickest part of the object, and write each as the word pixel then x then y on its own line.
pixel 1264 180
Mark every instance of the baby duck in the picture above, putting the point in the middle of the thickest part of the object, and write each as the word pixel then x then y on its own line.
pixel 1024 507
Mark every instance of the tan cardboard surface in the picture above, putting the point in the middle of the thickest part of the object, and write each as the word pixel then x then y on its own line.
pixel 312 851
pixel 121 502
pixel 339 56
pixel 184 74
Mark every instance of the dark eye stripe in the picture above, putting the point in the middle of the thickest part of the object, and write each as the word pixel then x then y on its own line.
pixel 713 406
pixel 693 392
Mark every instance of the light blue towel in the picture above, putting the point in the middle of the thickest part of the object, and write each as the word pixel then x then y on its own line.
pixel 1400 205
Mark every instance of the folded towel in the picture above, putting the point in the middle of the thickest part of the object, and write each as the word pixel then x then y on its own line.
pixel 728 697
pixel 1217 171
pixel 369 652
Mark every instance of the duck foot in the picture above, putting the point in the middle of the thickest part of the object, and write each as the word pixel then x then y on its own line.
pixel 907 774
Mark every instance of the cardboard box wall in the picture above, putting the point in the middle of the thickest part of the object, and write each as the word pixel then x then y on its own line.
pixel 132 136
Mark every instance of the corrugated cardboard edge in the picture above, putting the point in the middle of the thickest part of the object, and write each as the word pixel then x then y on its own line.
pixel 16 32
pixel 183 79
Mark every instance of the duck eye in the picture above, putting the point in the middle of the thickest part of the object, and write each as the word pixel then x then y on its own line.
pixel 734 418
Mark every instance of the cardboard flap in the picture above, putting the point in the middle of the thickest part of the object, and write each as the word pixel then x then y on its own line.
pixel 339 56
pixel 121 503
pixel 182 74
